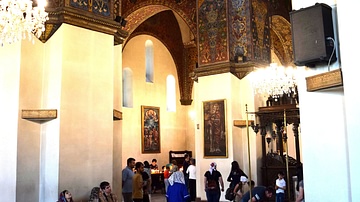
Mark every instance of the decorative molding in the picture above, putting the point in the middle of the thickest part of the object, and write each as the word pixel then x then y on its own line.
pixel 83 19
pixel 117 115
pixel 242 123
pixel 240 70
pixel 185 102
pixel 325 80
pixel 39 115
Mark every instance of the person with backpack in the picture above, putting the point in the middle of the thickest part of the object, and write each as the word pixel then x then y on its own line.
pixel 212 181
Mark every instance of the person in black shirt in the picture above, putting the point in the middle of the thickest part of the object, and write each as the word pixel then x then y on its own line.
pixel 212 180
pixel 235 174
pixel 185 167
pixel 146 186
pixel 153 165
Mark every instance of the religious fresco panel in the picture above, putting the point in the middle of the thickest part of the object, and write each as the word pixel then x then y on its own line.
pixel 213 43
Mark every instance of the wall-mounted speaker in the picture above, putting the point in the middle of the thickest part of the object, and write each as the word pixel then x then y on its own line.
pixel 312 35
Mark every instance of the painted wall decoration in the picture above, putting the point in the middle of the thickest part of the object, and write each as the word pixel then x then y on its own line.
pixel 100 7
pixel 215 134
pixel 212 23
pixel 249 31
pixel 150 129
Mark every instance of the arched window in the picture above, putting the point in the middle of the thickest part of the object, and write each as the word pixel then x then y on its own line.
pixel 170 93
pixel 149 61
pixel 127 88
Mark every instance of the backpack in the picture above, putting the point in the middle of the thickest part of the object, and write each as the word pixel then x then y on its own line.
pixel 229 194
pixel 212 184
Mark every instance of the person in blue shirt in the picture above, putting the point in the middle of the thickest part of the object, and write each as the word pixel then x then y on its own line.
pixel 127 179
pixel 177 190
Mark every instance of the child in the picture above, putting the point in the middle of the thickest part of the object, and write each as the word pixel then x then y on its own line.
pixel 280 187
pixel 166 176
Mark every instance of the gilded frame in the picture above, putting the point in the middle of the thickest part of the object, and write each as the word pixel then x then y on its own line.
pixel 150 129
pixel 215 129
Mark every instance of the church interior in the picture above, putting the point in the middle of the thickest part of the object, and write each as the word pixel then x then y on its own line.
pixel 231 80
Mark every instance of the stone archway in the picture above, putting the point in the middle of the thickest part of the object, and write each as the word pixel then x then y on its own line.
pixel 143 17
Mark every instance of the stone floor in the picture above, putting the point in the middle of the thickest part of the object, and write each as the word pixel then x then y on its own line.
pixel 158 198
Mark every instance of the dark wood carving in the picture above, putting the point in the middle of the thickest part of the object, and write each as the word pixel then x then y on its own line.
pixel 275 162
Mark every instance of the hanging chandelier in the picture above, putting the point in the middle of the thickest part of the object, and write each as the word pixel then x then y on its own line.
pixel 19 19
pixel 275 81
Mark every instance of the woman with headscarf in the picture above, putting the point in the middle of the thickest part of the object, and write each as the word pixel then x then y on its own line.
pixel 211 181
pixel 177 190
pixel 65 196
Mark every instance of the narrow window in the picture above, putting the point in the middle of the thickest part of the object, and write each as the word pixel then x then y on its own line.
pixel 149 61
pixel 127 88
pixel 170 94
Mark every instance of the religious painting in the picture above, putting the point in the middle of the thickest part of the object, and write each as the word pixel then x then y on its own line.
pixel 150 129
pixel 215 135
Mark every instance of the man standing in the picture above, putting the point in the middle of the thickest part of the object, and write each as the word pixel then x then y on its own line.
pixel 138 183
pixel 186 164
pixel 127 179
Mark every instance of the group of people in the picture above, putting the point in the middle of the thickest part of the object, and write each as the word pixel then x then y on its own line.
pixel 180 186
pixel 136 186
pixel 214 185
pixel 103 193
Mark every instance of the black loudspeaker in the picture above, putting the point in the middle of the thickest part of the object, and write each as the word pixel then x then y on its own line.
pixel 313 35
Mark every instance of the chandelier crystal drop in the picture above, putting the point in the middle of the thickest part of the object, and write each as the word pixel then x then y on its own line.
pixel 19 19
pixel 275 81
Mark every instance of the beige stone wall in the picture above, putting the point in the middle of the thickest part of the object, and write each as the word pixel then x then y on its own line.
pixel 237 93
pixel 173 125
pixel 9 107
pixel 73 73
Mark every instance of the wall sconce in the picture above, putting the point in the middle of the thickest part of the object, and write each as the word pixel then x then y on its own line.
pixel 255 127
pixel 268 140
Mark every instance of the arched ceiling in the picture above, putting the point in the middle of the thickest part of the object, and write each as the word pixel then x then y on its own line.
pixel 281 41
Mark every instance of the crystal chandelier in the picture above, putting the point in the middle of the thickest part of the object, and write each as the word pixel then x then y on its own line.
pixel 275 81
pixel 19 18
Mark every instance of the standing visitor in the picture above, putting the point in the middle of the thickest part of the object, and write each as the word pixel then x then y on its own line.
pixel 191 171
pixel 185 165
pixel 177 190
pixel 235 174
pixel 280 187
pixel 212 181
pixel 127 180
pixel 138 183
pixel 166 176
pixel 146 175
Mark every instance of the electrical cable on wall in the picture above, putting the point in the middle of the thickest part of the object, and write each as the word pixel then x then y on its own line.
pixel 333 51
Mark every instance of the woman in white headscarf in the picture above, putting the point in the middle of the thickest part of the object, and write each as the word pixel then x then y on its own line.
pixel 211 181
pixel 177 190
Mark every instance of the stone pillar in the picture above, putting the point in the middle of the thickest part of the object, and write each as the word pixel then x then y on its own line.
pixel 9 107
